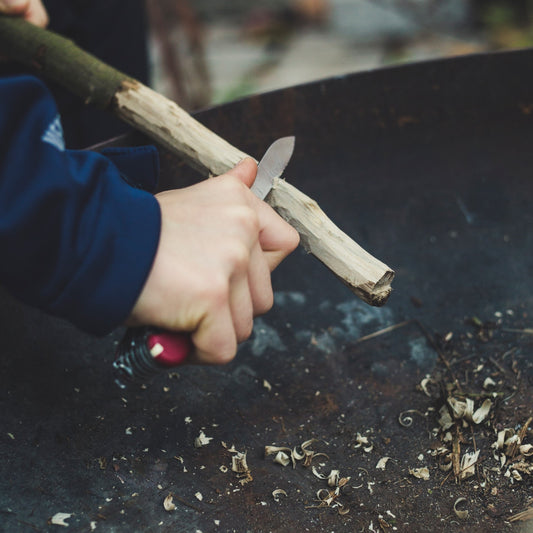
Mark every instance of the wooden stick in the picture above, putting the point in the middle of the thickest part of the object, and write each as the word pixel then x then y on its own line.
pixel 62 61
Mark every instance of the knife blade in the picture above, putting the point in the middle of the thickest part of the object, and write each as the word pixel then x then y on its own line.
pixel 144 352
pixel 272 165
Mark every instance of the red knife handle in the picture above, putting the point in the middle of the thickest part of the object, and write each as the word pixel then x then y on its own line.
pixel 145 352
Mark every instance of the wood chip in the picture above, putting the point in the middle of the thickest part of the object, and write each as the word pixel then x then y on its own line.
pixel 420 473
pixel 59 519
pixel 382 463
pixel 461 514
pixel 202 440
pixel 168 503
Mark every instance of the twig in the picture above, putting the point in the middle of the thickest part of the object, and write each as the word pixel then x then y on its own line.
pixel 383 331
pixel 523 516
pixel 187 504
pixel 525 331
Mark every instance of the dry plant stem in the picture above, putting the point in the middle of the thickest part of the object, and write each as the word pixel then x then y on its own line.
pixel 62 61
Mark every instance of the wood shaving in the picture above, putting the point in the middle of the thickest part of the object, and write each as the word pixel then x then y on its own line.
pixel 168 503
pixel 202 440
pixel 333 478
pixel 382 463
pixel 526 450
pixel 488 383
pixel 282 458
pixel 406 420
pixel 461 514
pixel 468 464
pixel 465 409
pixel 277 493
pixel 445 420
pixel 240 466
pixel 420 473
pixel 293 455
pixel 59 519
pixel 425 383
pixel 363 442
pixel 482 412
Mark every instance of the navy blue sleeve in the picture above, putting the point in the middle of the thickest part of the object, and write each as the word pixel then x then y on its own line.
pixel 77 241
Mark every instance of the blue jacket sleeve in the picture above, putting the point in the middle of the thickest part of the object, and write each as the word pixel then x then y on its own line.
pixel 77 241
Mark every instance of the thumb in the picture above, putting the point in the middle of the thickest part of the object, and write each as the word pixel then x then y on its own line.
pixel 245 170
pixel 13 7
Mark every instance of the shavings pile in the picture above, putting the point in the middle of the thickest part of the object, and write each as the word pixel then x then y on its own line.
pixel 325 497
pixel 470 438
pixel 285 455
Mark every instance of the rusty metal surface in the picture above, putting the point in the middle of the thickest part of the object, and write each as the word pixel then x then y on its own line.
pixel 429 167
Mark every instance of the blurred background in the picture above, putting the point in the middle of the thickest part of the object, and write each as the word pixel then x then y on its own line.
pixel 204 52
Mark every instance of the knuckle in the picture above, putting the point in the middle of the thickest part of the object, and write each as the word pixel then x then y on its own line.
pixel 264 301
pixel 234 186
pixel 215 293
pixel 246 218
pixel 224 356
pixel 245 330
pixel 238 257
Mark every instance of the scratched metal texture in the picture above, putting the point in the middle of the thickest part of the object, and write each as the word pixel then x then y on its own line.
pixel 429 167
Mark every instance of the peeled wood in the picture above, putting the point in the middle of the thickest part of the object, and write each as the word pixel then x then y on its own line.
pixel 172 127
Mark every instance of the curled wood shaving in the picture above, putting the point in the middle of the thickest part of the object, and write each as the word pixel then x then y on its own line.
pixel 482 412
pixel 363 442
pixel 382 463
pixel 277 450
pixel 59 519
pixel 445 420
pixel 425 383
pixel 420 473
pixel 238 463
pixel 465 409
pixel 526 450
pixel 318 474
pixel 282 458
pixel 461 514
pixel 333 478
pixel 458 407
pixel 277 493
pixel 502 438
pixel 488 383
pixel 283 453
pixel 406 420
pixel 468 463
pixel 240 466
pixel 446 467
pixel 168 503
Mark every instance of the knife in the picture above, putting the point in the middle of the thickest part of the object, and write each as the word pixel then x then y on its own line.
pixel 171 127
pixel 146 351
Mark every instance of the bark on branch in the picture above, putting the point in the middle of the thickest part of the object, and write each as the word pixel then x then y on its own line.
pixel 94 82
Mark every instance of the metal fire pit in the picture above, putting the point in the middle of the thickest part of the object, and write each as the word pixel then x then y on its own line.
pixel 429 167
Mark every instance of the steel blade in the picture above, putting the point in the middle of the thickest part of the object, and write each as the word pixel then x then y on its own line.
pixel 272 165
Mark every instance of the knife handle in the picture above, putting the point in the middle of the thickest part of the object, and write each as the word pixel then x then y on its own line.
pixel 164 121
pixel 144 352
